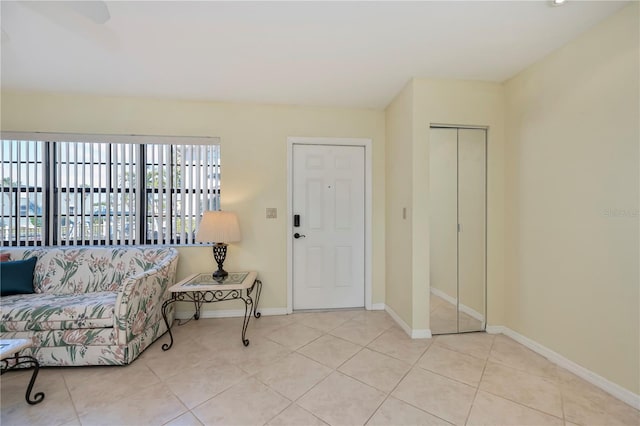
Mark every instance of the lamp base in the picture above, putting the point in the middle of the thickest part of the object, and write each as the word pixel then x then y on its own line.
pixel 220 274
pixel 219 254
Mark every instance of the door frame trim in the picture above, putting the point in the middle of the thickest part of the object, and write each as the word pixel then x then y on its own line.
pixel 367 144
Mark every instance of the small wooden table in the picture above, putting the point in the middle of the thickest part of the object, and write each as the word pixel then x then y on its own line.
pixel 10 359
pixel 203 288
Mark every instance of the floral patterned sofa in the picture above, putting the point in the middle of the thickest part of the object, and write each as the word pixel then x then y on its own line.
pixel 91 305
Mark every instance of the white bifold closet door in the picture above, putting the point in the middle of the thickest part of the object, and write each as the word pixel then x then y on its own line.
pixel 457 223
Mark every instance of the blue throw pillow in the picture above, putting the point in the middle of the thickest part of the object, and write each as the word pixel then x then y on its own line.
pixel 16 277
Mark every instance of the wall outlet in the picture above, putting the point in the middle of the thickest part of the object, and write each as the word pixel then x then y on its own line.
pixel 272 213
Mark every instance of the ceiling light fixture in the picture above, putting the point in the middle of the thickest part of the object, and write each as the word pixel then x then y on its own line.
pixel 557 2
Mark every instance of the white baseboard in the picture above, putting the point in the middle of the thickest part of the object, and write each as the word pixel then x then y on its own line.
pixel 378 307
pixel 608 386
pixel 495 329
pixel 413 333
pixel 421 333
pixel 403 325
pixel 463 308
pixel 182 315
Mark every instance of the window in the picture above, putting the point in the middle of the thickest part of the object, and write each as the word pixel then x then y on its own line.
pixel 102 190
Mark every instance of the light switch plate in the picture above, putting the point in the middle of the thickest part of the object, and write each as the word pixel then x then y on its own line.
pixel 272 213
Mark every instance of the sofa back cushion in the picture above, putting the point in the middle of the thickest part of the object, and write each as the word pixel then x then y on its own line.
pixel 64 270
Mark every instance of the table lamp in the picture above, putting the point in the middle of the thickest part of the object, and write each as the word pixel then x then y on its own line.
pixel 220 228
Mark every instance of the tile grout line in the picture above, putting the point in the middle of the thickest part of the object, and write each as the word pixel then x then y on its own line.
pixel 561 388
pixel 447 377
pixel 398 384
pixel 564 416
pixel 444 346
pixel 294 401
pixel 281 411
pixel 66 386
pixel 484 368
pixel 335 370
pixel 167 387
pixel 521 370
pixel 396 358
pixel 509 399
pixel 524 405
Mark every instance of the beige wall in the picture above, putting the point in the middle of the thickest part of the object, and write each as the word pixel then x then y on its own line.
pixel 254 164
pixel 399 126
pixel 573 201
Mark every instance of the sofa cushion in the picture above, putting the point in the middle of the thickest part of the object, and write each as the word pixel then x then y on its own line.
pixel 57 311
pixel 17 276
pixel 88 269
pixel 80 270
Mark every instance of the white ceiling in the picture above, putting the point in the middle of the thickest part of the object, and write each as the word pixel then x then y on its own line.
pixel 306 53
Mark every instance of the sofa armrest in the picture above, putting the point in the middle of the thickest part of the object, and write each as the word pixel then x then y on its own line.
pixel 140 299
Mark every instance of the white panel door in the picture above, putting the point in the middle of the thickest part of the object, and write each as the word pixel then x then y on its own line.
pixel 328 253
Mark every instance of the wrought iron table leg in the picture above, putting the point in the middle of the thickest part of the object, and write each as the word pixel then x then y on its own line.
pixel 24 360
pixel 38 397
pixel 165 306
pixel 258 285
pixel 248 310
pixel 197 302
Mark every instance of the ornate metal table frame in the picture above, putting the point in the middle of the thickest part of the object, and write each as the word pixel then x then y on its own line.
pixel 211 294
pixel 23 361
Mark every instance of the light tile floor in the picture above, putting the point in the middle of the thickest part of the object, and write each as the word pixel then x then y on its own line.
pixel 337 368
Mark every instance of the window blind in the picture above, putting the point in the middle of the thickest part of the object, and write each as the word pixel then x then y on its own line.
pixel 106 193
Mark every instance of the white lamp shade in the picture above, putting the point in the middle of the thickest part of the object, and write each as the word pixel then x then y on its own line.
pixel 218 227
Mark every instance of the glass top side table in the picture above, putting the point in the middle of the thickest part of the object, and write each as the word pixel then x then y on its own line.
pixel 203 288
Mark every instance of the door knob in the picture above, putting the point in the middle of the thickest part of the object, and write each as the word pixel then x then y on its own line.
pixel 296 235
